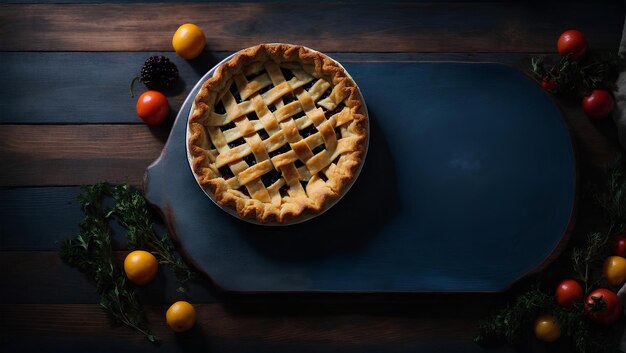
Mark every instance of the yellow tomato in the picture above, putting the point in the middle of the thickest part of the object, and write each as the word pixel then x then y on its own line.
pixel 614 270
pixel 181 316
pixel 188 41
pixel 546 328
pixel 140 266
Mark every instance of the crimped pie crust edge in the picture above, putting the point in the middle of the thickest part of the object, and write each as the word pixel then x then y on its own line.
pixel 320 197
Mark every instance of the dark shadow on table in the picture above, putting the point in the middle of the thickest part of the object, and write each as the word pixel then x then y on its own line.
pixel 194 340
pixel 203 63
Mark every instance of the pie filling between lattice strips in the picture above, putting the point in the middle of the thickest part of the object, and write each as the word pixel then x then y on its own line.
pixel 276 140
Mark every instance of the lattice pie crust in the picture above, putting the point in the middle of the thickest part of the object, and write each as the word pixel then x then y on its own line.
pixel 278 133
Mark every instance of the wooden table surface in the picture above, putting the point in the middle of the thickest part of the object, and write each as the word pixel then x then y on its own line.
pixel 67 119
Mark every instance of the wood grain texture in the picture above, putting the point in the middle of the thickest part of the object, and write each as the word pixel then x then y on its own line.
pixel 267 1
pixel 28 274
pixel 423 27
pixel 77 154
pixel 27 327
pixel 85 88
pixel 36 218
pixel 86 154
pixel 96 89
pixel 217 322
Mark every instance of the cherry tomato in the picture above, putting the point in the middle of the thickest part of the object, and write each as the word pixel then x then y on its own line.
pixel 181 316
pixel 152 107
pixel 572 42
pixel 546 328
pixel 619 245
pixel 548 84
pixel 568 292
pixel 614 270
pixel 603 307
pixel 188 41
pixel 598 104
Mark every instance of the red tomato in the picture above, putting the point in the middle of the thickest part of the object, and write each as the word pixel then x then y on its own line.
pixel 568 292
pixel 603 307
pixel 152 107
pixel 619 245
pixel 548 84
pixel 572 42
pixel 598 104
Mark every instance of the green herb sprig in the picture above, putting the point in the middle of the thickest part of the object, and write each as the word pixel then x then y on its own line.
pixel 588 256
pixel 575 79
pixel 92 254
pixel 612 199
pixel 91 251
pixel 508 324
pixel 133 213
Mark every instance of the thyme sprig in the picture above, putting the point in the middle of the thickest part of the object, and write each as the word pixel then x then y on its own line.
pixel 92 254
pixel 588 256
pixel 575 79
pixel 134 214
pixel 91 250
pixel 508 324
pixel 612 199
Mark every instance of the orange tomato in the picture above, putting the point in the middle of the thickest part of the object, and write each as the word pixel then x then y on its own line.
pixel 614 270
pixel 546 328
pixel 140 267
pixel 181 316
pixel 188 41
pixel 152 107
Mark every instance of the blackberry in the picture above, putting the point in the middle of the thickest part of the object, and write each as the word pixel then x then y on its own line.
pixel 158 72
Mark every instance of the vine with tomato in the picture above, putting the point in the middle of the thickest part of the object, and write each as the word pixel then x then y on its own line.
pixel 579 75
pixel 583 310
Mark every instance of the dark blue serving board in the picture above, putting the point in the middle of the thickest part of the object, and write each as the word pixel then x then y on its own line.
pixel 468 185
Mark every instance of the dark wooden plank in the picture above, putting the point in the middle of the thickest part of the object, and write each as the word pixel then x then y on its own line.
pixel 262 1
pixel 242 346
pixel 86 154
pixel 95 90
pixel 219 323
pixel 596 142
pixel 27 275
pixel 41 277
pixel 36 218
pixel 456 27
pixel 77 154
